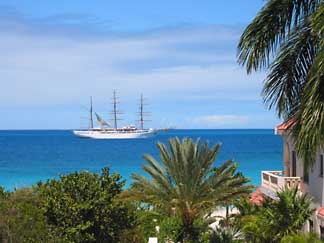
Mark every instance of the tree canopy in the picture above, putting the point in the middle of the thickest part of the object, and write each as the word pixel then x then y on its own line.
pixel 82 206
pixel 186 184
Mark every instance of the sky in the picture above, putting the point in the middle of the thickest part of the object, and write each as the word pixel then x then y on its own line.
pixel 180 54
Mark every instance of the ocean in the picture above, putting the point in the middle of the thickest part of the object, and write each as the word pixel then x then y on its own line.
pixel 27 156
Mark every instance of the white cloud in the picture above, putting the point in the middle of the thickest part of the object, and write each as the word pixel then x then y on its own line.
pixel 221 121
pixel 51 64
pixel 46 67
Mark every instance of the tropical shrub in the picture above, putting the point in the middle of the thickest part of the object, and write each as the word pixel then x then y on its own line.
pixel 170 229
pixel 227 234
pixel 275 219
pixel 22 220
pixel 2 191
pixel 144 225
pixel 82 206
pixel 185 184
pixel 301 238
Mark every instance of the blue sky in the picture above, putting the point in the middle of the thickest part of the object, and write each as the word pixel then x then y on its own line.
pixel 180 54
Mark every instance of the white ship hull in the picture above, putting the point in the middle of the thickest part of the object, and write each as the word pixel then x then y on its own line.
pixel 112 134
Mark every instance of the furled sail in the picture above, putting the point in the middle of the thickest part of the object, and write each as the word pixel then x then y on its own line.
pixel 101 121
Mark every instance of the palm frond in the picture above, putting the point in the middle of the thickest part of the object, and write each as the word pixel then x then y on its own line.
pixel 310 127
pixel 318 21
pixel 184 181
pixel 286 37
pixel 289 71
pixel 270 29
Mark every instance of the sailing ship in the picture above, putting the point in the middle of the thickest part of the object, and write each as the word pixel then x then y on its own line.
pixel 105 131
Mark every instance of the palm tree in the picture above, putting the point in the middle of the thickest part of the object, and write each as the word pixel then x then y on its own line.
pixel 185 184
pixel 288 214
pixel 275 219
pixel 286 39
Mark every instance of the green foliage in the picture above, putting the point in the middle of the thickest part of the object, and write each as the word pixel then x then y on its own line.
pixel 170 229
pixel 186 185
pixel 256 229
pixel 300 238
pixel 275 219
pixel 289 213
pixel 229 227
pixel 82 206
pixel 22 221
pixel 225 235
pixel 270 29
pixel 286 38
pixel 245 207
pixel 144 226
pixel 2 192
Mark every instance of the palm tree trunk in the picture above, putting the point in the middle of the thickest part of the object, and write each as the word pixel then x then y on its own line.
pixel 191 234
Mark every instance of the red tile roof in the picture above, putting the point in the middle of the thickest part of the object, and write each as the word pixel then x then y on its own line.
pixel 286 125
pixel 320 211
pixel 257 197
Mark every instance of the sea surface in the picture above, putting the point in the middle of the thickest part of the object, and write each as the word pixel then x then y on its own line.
pixel 28 156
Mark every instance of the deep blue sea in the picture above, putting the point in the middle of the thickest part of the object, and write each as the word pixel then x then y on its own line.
pixel 29 156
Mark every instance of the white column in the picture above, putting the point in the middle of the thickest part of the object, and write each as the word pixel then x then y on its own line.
pixel 286 158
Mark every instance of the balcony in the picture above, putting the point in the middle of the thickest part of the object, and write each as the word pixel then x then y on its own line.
pixel 274 181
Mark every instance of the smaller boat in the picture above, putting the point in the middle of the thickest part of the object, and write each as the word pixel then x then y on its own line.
pixel 105 131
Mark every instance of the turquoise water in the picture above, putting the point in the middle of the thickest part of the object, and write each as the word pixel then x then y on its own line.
pixel 29 156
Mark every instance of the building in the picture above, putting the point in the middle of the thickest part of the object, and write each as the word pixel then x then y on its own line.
pixel 293 175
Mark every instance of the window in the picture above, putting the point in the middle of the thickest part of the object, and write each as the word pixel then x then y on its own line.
pixel 321 165
pixel 294 161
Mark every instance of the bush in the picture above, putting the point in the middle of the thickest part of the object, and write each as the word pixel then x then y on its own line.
pixel 275 219
pixel 225 235
pixel 144 225
pixel 21 219
pixel 301 238
pixel 170 229
pixel 83 206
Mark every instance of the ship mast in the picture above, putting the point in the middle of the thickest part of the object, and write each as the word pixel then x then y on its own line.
pixel 91 113
pixel 115 109
pixel 115 112
pixel 141 112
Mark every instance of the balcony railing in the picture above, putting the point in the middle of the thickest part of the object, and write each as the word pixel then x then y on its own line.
pixel 273 181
